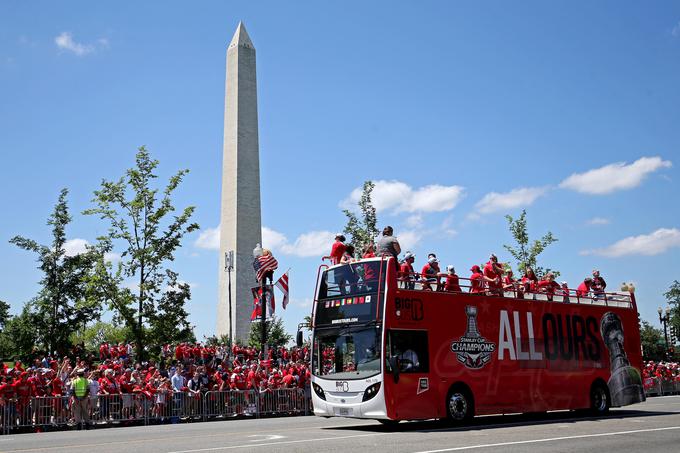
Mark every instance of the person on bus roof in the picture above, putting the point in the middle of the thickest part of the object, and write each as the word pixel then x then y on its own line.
pixel 492 276
pixel 370 274
pixel 548 285
pixel 598 286
pixel 508 281
pixel 452 283
pixel 476 280
pixel 565 292
pixel 338 250
pixel 429 273
pixel 406 272
pixel 388 245
pixel 584 288
pixel 529 280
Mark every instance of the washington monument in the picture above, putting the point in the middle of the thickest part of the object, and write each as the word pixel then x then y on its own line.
pixel 241 224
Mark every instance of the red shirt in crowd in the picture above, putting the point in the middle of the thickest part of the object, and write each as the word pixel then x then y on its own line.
pixel 490 272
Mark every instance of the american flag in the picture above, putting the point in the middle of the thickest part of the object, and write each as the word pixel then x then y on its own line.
pixel 282 284
pixel 264 264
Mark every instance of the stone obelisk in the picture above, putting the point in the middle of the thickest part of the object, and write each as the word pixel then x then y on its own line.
pixel 240 227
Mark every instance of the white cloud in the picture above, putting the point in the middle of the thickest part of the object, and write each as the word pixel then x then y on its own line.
pixel 64 41
pixel 209 239
pixel 76 246
pixel 516 198
pixel 676 30
pixel 414 221
pixel 314 243
pixel 409 239
pixel 613 177
pixel 598 221
pixel 398 196
pixel 112 257
pixel 651 244
pixel 271 239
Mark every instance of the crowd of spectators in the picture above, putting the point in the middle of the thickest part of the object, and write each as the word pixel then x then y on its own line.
pixel 661 371
pixel 87 385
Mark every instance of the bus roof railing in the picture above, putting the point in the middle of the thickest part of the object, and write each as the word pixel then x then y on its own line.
pixel 416 282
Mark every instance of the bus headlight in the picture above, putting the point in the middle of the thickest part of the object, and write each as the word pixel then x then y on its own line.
pixel 319 391
pixel 371 391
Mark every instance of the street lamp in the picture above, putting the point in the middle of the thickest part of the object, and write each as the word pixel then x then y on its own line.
pixel 664 319
pixel 228 267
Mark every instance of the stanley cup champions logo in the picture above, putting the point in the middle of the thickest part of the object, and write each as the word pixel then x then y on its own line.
pixel 472 349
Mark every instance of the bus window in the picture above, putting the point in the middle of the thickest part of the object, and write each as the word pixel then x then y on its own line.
pixel 410 347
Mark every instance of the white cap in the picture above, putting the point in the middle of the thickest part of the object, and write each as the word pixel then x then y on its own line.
pixel 450 269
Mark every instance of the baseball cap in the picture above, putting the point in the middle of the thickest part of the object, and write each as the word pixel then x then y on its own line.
pixel 433 260
pixel 408 255
pixel 450 268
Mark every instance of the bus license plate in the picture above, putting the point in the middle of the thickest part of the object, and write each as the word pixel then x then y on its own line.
pixel 344 411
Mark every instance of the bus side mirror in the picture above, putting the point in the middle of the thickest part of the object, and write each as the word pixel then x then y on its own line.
pixel 298 339
pixel 394 364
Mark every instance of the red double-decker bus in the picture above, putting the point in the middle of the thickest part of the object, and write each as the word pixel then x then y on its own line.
pixel 400 348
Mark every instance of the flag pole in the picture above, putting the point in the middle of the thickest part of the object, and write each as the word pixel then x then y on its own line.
pixel 263 314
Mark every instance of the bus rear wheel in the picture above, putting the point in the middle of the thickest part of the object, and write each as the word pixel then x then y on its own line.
pixel 459 405
pixel 599 399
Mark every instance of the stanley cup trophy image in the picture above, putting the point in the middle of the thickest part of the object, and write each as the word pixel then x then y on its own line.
pixel 471 331
pixel 625 382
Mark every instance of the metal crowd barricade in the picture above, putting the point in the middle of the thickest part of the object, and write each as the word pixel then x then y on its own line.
pixel 143 408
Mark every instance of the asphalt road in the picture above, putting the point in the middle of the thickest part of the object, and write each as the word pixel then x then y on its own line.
pixel 653 426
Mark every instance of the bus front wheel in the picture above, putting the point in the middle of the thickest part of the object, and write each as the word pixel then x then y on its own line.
pixel 599 399
pixel 459 405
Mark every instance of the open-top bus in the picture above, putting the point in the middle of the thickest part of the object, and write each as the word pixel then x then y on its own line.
pixel 392 348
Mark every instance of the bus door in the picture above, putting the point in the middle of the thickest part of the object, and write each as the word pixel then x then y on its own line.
pixel 413 396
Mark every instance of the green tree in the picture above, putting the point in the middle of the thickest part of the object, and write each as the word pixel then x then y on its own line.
pixel 19 336
pixel 62 305
pixel 4 314
pixel 276 333
pixel 525 251
pixel 96 334
pixel 142 220
pixel 362 230
pixel 673 298
pixel 652 341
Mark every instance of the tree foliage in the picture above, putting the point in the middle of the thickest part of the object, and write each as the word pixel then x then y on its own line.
pixel 4 314
pixel 63 304
pixel 673 298
pixel 276 333
pixel 100 332
pixel 652 341
pixel 143 221
pixel 362 230
pixel 18 335
pixel 526 251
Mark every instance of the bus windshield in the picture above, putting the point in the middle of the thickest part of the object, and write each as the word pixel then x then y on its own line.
pixel 349 294
pixel 347 353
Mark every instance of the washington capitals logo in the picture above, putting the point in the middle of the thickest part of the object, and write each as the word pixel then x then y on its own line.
pixel 472 349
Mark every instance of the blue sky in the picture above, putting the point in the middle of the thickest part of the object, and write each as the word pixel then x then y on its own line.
pixel 461 111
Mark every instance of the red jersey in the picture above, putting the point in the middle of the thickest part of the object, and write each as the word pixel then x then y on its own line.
pixel 548 287
pixel 490 272
pixel 476 283
pixel 582 290
pixel 337 251
pixel 452 283
pixel 405 269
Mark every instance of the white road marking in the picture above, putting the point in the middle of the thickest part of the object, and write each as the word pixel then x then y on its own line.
pixel 285 442
pixel 551 439
pixel 266 437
